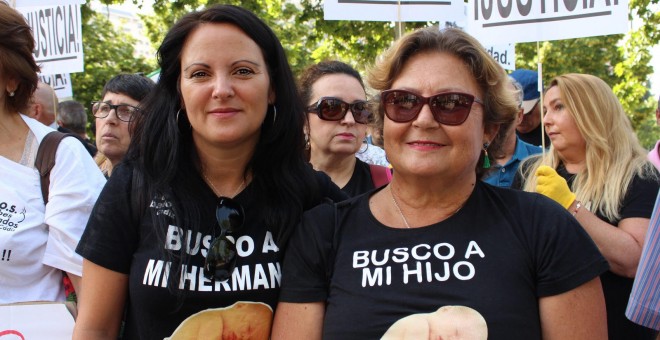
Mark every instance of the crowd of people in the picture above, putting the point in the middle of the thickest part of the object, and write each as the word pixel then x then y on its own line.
pixel 232 200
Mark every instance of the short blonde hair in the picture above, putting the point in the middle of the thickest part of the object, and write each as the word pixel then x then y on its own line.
pixel 500 107
pixel 613 153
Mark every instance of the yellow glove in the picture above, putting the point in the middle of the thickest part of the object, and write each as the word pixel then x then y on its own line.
pixel 549 183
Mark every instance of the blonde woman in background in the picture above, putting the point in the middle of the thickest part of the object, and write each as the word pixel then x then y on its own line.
pixel 597 170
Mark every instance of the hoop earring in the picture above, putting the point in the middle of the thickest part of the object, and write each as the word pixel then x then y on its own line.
pixel 177 116
pixel 274 113
pixel 307 144
pixel 486 164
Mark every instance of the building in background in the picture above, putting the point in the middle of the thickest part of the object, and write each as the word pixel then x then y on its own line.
pixel 126 17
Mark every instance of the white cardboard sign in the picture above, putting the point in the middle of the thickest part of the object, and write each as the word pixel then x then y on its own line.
pixel 61 84
pixel 38 321
pixel 392 10
pixel 57 32
pixel 512 21
pixel 504 54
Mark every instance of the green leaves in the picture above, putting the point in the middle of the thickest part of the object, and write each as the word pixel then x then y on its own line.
pixel 108 52
pixel 622 61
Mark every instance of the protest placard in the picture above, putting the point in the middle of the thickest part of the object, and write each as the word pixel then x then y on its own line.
pixel 392 10
pixel 508 21
pixel 57 32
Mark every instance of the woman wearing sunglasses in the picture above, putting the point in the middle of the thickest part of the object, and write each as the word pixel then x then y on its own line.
pixel 186 237
pixel 338 114
pixel 118 106
pixel 597 170
pixel 436 235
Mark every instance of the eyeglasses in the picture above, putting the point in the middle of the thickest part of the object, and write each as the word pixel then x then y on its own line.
pixel 124 112
pixel 334 109
pixel 448 108
pixel 221 257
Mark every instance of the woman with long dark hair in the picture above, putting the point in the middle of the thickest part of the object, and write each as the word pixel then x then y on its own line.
pixel 190 228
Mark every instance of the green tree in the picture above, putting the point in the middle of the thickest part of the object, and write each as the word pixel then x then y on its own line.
pixel 622 61
pixel 306 37
pixel 107 53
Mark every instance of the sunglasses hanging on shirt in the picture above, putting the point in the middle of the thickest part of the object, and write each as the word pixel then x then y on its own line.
pixel 221 257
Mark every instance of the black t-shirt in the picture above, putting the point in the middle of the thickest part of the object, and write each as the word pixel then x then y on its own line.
pixel 499 254
pixel 115 240
pixel 638 202
pixel 360 181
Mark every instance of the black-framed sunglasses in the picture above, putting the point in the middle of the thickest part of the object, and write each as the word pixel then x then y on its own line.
pixel 334 109
pixel 448 108
pixel 124 112
pixel 221 256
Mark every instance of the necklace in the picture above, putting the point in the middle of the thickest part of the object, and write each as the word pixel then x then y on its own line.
pixel 215 191
pixel 397 207
pixel 403 217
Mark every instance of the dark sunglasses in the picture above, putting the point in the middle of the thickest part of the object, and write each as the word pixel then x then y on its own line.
pixel 334 109
pixel 221 257
pixel 448 108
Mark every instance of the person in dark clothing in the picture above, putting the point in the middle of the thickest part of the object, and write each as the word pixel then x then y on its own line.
pixel 338 115
pixel 530 129
pixel 72 118
pixel 195 219
pixel 597 170
pixel 437 235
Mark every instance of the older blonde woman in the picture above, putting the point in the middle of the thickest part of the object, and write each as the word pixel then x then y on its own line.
pixel 436 235
pixel 597 170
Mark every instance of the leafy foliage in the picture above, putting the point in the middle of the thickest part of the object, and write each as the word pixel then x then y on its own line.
pixel 622 61
pixel 107 53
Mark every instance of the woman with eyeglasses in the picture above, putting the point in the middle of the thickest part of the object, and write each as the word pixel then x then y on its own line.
pixel 338 115
pixel 437 236
pixel 597 170
pixel 187 237
pixel 120 103
pixel 38 234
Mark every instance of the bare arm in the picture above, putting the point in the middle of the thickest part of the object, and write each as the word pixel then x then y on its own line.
pixel 102 302
pixel 298 321
pixel 621 246
pixel 576 314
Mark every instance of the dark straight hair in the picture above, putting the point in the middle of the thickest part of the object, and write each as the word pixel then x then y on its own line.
pixel 162 149
pixel 133 85
pixel 313 73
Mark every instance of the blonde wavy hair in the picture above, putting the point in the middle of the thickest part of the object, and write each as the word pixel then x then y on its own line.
pixel 500 107
pixel 103 163
pixel 613 153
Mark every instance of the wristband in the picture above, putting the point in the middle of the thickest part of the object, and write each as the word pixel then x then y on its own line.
pixel 578 205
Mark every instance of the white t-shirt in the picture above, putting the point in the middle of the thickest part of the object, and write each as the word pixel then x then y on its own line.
pixel 38 242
